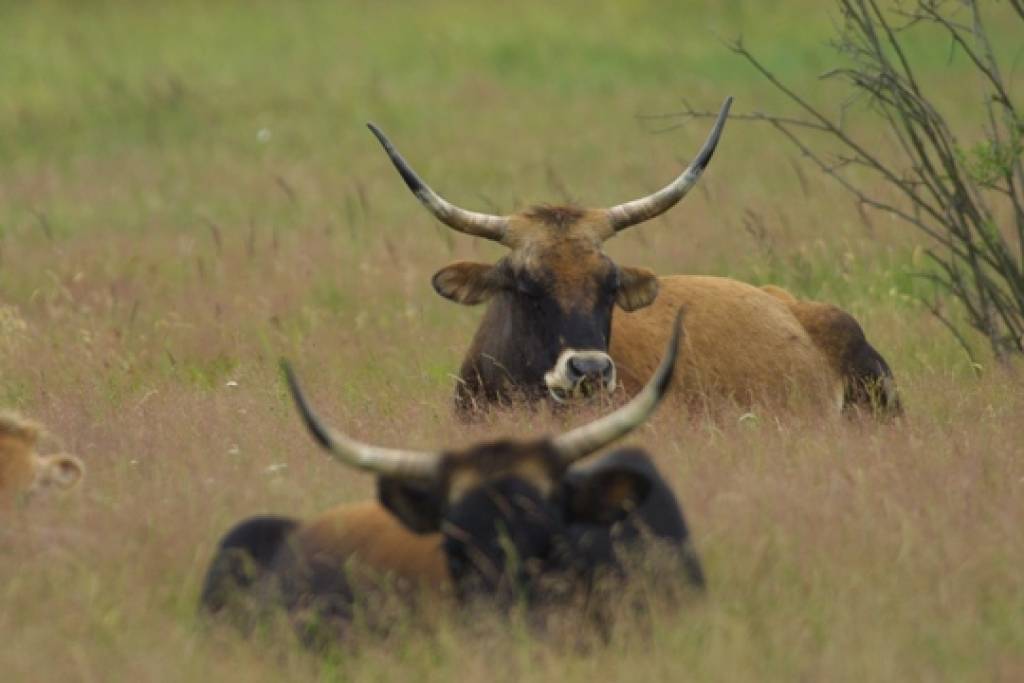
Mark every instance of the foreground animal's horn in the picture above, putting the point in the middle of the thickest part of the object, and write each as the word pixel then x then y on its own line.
pixel 584 440
pixel 640 210
pixel 390 462
pixel 470 222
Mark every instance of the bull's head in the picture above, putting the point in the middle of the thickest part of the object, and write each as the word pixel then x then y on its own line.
pixel 504 508
pixel 552 295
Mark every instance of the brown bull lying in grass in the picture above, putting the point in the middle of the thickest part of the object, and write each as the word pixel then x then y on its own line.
pixel 549 328
pixel 23 471
pixel 499 523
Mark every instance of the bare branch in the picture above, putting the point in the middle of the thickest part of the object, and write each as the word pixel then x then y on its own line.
pixel 936 311
pixel 688 113
pixel 949 194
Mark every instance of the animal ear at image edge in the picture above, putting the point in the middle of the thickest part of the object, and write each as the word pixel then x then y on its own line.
pixel 64 471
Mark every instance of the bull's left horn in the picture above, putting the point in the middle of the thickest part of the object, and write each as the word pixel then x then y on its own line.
pixel 389 462
pixel 470 222
pixel 640 210
pixel 587 439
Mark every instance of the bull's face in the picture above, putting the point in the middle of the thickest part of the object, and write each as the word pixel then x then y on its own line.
pixel 555 290
pixel 504 509
pixel 505 512
pixel 553 295
pixel 502 537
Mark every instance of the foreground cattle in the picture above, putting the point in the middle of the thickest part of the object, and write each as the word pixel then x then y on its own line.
pixel 499 522
pixel 549 325
pixel 23 471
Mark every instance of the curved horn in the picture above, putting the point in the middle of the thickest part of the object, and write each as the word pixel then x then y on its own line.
pixel 470 222
pixel 389 462
pixel 640 210
pixel 588 438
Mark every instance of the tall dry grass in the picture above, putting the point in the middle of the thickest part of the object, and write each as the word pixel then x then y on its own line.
pixel 835 551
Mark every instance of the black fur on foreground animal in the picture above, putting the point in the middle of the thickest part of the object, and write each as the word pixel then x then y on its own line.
pixel 501 523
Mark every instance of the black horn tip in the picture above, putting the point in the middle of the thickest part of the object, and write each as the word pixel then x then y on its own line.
pixel 318 431
pixel 381 138
pixel 704 157
pixel 408 175
pixel 289 376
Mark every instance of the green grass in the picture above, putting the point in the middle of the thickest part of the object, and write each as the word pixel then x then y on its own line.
pixel 188 192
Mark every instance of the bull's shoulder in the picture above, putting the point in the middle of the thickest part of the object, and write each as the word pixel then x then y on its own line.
pixel 366 537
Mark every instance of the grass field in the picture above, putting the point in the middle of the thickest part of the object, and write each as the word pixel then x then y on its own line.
pixel 188 192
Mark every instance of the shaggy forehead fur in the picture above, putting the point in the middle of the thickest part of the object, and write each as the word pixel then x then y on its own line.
pixel 562 244
pixel 532 462
pixel 547 224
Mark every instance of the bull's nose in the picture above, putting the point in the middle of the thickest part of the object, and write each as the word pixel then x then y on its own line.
pixel 580 373
pixel 592 368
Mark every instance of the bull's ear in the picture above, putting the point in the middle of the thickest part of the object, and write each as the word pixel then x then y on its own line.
pixel 61 470
pixel 466 282
pixel 638 287
pixel 417 506
pixel 606 496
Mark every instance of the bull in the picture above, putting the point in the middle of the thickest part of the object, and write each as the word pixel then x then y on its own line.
pixel 499 522
pixel 551 328
pixel 23 471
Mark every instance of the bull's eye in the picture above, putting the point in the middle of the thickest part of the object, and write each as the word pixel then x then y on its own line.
pixel 529 287
pixel 613 282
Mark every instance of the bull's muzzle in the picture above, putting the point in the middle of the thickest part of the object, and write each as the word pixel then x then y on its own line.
pixel 580 373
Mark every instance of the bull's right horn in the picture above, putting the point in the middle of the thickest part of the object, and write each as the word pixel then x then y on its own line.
pixel 645 208
pixel 390 462
pixel 484 225
pixel 587 439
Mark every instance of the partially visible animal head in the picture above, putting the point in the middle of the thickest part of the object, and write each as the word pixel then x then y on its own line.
pixel 552 296
pixel 505 509
pixel 23 471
